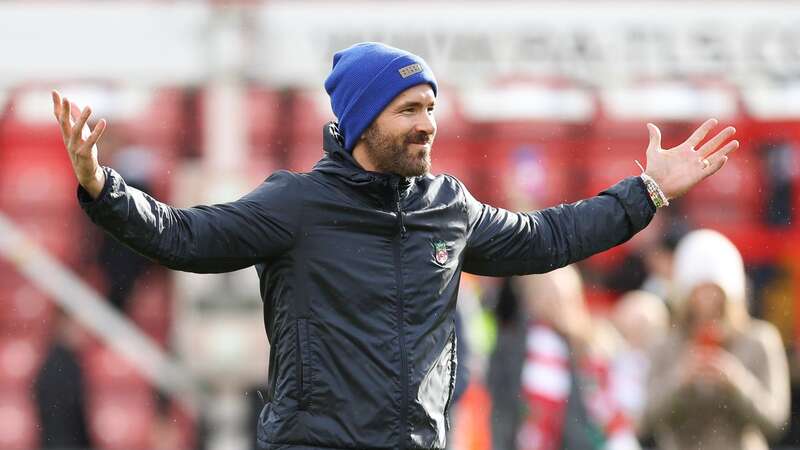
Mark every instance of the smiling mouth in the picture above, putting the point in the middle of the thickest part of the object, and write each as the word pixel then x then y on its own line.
pixel 419 150
pixel 420 139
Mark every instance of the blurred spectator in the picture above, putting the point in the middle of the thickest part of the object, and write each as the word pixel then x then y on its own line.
pixel 648 266
pixel 658 259
pixel 471 408
pixel 565 378
pixel 642 319
pixel 792 436
pixel 720 380
pixel 523 190
pixel 503 376
pixel 462 375
pixel 60 390
pixel 781 173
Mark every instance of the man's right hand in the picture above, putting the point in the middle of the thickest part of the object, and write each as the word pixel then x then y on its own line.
pixel 80 143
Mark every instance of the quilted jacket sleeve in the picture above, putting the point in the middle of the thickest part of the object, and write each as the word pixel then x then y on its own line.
pixel 203 239
pixel 504 243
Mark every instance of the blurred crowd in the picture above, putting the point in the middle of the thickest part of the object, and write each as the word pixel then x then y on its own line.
pixel 680 364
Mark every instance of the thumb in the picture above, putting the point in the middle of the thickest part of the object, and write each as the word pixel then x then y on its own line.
pixel 655 138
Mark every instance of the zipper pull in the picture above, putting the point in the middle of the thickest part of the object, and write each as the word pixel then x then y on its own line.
pixel 400 213
pixel 403 232
pixel 261 396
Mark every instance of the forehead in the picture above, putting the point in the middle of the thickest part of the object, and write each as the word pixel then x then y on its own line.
pixel 421 93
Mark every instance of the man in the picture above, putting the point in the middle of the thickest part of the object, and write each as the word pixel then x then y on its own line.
pixel 359 259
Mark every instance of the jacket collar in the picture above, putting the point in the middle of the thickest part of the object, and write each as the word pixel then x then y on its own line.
pixel 339 162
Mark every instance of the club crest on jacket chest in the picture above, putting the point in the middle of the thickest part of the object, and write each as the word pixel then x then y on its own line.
pixel 440 254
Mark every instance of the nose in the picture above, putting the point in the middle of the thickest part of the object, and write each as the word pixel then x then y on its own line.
pixel 426 123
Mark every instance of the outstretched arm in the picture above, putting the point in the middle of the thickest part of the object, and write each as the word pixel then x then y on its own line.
pixel 503 243
pixel 219 238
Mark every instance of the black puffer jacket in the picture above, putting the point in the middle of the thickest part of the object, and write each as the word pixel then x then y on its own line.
pixel 359 275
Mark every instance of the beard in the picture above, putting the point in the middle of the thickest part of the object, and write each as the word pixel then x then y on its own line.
pixel 393 154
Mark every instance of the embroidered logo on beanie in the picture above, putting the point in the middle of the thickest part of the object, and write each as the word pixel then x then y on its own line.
pixel 407 71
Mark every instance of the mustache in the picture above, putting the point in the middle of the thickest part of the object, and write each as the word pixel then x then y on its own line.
pixel 419 137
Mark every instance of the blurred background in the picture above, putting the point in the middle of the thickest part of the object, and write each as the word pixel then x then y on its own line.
pixel 540 103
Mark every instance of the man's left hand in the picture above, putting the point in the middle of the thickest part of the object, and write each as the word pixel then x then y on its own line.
pixel 679 168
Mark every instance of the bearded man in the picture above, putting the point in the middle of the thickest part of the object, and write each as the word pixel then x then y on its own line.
pixel 360 258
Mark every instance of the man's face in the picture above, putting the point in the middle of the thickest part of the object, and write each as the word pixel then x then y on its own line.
pixel 399 140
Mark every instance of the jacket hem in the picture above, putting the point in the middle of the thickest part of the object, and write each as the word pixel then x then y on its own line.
pixel 262 445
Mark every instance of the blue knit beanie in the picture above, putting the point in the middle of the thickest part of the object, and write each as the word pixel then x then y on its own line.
pixel 365 78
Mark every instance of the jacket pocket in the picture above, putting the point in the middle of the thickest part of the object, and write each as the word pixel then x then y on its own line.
pixel 302 364
pixel 453 364
pixel 261 426
pixel 435 394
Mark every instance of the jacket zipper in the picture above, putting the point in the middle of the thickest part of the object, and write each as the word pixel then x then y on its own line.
pixel 400 314
pixel 400 213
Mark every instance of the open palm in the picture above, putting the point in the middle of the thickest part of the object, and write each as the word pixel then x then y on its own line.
pixel 679 168
pixel 80 142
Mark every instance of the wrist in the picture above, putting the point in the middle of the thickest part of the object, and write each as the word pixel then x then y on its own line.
pixel 94 185
pixel 657 195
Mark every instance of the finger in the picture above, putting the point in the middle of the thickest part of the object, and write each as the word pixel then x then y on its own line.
pixel 655 138
pixel 75 110
pixel 66 105
pixel 64 119
pixel 716 165
pixel 723 152
pixel 713 143
pixel 56 103
pixel 96 133
pixel 701 132
pixel 80 123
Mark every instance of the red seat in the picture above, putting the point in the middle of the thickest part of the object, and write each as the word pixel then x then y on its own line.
pixel 56 235
pixel 26 311
pixel 177 428
pixel 303 156
pixel 20 358
pixel 780 129
pixel 450 120
pixel 522 173
pixel 16 132
pixel 311 111
pixel 162 123
pixel 263 115
pixel 18 422
pixel 107 371
pixel 36 179
pixel 732 196
pixel 606 161
pixel 452 156
pixel 120 420
pixel 150 307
